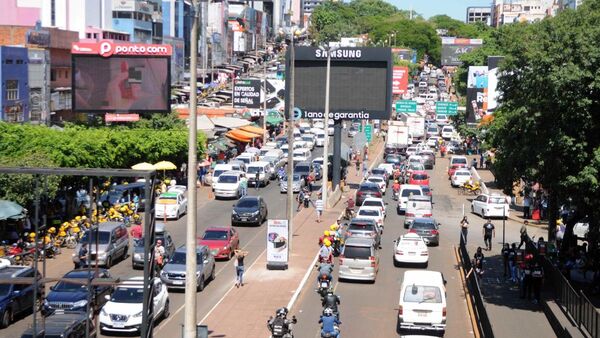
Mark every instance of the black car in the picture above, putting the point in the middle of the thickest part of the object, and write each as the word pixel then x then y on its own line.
pixel 60 325
pixel 16 298
pixel 249 210
pixel 71 296
pixel 367 190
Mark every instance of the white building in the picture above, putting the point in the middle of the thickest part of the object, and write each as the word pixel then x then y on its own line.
pixel 476 14
pixel 76 15
pixel 511 11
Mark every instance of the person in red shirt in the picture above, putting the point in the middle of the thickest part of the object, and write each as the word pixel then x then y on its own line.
pixel 136 231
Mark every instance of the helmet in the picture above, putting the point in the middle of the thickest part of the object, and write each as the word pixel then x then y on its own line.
pixel 327 243
pixel 282 312
pixel 328 312
pixel 396 181
pixel 78 218
pixel 333 227
pixel 32 235
pixel 62 233
pixel 167 181
pixel 83 218
pixel 136 216
pixel 326 233
pixel 66 224
pixel 52 230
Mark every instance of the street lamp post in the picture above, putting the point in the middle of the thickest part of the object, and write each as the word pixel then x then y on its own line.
pixel 290 161
pixel 325 179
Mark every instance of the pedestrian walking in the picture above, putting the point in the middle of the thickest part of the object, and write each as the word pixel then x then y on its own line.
pixel 319 203
pixel 523 232
pixel 300 200
pixel 526 207
pixel 526 282
pixel 474 163
pixel 489 232
pixel 481 160
pixel 366 152
pixel 244 184
pixel 357 165
pixel 512 262
pixel 365 169
pixel 537 278
pixel 464 229
pixel 257 180
pixel 239 267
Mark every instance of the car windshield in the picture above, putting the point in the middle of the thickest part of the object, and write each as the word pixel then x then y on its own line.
pixel 64 286
pixel 320 162
pixel 422 225
pixel 178 258
pixel 408 192
pixel 432 129
pixel 357 252
pixel 371 204
pixel 459 161
pixel 139 242
pixel 215 235
pixel 228 179
pixel 375 179
pixel 128 295
pixel 321 136
pixel 302 168
pixel 4 289
pixel 416 166
pixel 307 138
pixel 378 171
pixel 218 173
pixel 254 170
pixel 247 203
pixel 419 176
pixel 462 173
pixel 392 159
pixel 361 227
pixel 103 237
pixel 422 294
pixel 368 212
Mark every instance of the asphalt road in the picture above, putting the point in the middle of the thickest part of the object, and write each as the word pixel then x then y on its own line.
pixel 370 310
pixel 210 213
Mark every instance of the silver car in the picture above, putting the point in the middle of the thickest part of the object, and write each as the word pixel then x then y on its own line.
pixel 359 260
pixel 298 184
pixel 109 244
pixel 173 273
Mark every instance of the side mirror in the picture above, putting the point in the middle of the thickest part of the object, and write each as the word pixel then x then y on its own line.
pixel 52 288
pixel 107 297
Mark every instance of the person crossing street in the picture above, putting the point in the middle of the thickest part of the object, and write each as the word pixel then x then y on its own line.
pixel 489 232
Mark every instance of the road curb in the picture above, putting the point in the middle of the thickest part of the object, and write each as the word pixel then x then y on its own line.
pixel 470 309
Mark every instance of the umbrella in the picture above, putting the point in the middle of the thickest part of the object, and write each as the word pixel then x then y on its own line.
pixel 143 166
pixel 9 209
pixel 165 165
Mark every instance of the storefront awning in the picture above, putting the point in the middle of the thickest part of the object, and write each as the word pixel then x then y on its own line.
pixel 254 130
pixel 241 136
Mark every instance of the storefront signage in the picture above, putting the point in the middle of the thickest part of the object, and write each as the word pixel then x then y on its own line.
pixel 109 48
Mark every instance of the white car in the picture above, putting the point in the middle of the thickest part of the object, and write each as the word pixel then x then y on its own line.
pixel 411 151
pixel 376 202
pixel 320 139
pixel 170 205
pixel 433 141
pixel 441 119
pixel 177 188
pixel 422 304
pixel 388 167
pixel 460 177
pixel 301 145
pixel 123 311
pixel 411 249
pixel 414 159
pixel 310 140
pixel 379 181
pixel 447 132
pixel 490 205
pixel 373 213
pixel 228 184
pixel 300 155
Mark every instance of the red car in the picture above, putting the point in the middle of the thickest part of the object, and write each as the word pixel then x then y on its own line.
pixel 454 167
pixel 221 241
pixel 419 177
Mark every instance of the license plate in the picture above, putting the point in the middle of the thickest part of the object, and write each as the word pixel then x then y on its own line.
pixel 411 253
pixel 421 314
pixel 243 219
pixel 118 325
pixel 178 282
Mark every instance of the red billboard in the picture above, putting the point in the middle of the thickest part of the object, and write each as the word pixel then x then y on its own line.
pixel 399 80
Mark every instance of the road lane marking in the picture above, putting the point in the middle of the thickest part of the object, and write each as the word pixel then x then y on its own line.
pixel 302 282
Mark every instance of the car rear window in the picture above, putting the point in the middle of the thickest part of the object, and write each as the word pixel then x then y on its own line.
pixel 463 173
pixel 375 179
pixel 361 252
pixel 422 225
pixel 361 227
pixel 419 176
pixel 228 179
pixel 369 188
pixel 378 171
pixel 459 161
pixel 368 212
pixel 497 200
pixel 408 192
pixel 371 204
pixel 422 294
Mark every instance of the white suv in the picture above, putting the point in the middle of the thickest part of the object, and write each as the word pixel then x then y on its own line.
pixel 228 184
pixel 123 311
pixel 422 304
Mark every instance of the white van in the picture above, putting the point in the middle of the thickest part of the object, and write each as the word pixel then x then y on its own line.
pixel 228 184
pixel 422 304
pixel 247 158
pixel 264 173
pixel 301 155
pixel 406 191
pixel 447 132
pixel 217 171
pixel 319 138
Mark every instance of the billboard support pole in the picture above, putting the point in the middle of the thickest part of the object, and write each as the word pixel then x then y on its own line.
pixel 265 133
pixel 337 152
pixel 190 268
pixel 290 161
pixel 325 179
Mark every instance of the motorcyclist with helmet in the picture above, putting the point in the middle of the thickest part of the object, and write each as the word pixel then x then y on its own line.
pixel 329 324
pixel 331 301
pixel 280 326
pixel 326 253
pixel 350 204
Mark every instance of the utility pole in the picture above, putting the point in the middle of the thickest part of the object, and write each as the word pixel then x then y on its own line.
pixel 325 179
pixel 265 133
pixel 290 164
pixel 190 261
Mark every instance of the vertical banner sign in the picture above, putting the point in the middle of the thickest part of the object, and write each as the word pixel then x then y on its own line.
pixel 477 86
pixel 399 80
pixel 277 243
pixel 493 94
pixel 246 93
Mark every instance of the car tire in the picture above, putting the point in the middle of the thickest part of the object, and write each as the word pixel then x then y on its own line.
pixel 166 312
pixel 472 209
pixel 213 274
pixel 200 286
pixel 108 262
pixel 7 318
pixel 396 263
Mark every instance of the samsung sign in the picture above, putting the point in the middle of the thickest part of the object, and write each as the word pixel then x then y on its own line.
pixel 340 54
pixel 360 86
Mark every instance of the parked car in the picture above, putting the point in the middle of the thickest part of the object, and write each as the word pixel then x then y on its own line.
pixel 222 241
pixel 367 189
pixel 170 205
pixel 123 309
pixel 422 304
pixel 113 244
pixel 173 273
pixel 160 233
pixel 417 206
pixel 249 210
pixel 491 205
pixel 359 260
pixel 68 324
pixel 70 296
pixel 410 249
pixel 427 228
pixel 16 299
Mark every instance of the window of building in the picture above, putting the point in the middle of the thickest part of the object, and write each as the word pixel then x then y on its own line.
pixel 19 62
pixel 12 89
pixel 526 8
pixel 53 75
pixel 53 12
pixel 88 35
pixel 122 15
pixel 8 61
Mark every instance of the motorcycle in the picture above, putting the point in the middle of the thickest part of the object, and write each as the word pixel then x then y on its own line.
pixel 324 286
pixel 281 329
pixel 396 195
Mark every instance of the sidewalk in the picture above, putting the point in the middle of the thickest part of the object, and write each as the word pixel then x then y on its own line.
pixel 243 311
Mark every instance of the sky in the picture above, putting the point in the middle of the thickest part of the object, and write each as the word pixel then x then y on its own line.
pixel 456 9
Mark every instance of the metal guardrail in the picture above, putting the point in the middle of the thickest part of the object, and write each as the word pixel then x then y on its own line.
pixel 483 321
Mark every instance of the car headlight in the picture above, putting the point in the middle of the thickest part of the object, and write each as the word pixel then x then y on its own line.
pixel 233 212
pixel 137 315
pixel 80 303
pixel 256 212
pixel 137 256
pixel 102 255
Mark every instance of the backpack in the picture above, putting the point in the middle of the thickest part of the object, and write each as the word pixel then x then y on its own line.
pixel 279 327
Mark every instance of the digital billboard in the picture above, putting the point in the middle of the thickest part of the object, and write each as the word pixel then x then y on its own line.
pixel 111 77
pixel 453 48
pixel 400 80
pixel 478 77
pixel 493 93
pixel 360 83
pixel 476 104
